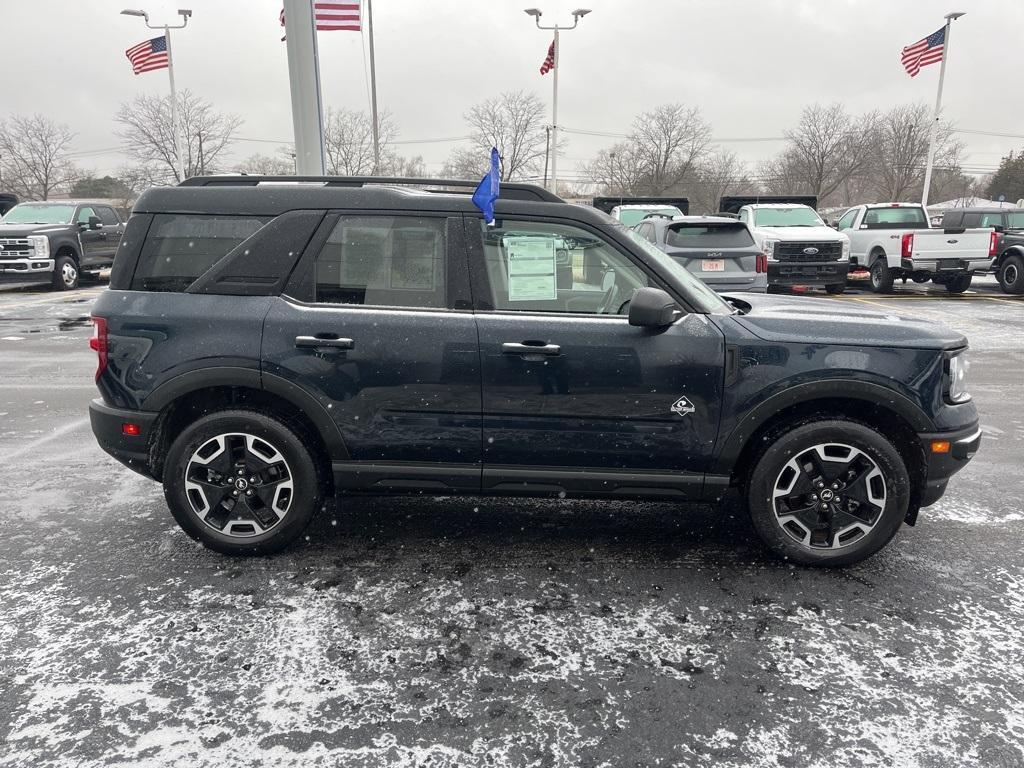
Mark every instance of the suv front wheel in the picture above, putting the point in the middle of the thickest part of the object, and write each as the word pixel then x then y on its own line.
pixel 832 492
pixel 241 482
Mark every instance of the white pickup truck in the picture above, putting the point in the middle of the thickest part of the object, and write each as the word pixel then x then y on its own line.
pixel 895 241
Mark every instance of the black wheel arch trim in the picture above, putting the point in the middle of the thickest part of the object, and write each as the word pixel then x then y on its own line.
pixel 847 389
pixel 252 378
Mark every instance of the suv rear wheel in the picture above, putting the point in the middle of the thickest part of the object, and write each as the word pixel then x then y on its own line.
pixel 242 482
pixel 1011 275
pixel 828 493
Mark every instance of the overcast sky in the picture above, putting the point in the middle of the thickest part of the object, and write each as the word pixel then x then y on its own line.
pixel 750 65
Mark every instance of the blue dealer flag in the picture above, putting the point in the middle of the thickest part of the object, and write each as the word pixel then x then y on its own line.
pixel 487 190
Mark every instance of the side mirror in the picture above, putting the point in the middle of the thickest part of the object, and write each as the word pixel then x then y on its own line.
pixel 95 223
pixel 999 228
pixel 653 308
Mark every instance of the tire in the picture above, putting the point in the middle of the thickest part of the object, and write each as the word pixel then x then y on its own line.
pixel 776 289
pixel 881 276
pixel 279 490
pixel 814 458
pixel 835 289
pixel 66 275
pixel 1011 275
pixel 958 284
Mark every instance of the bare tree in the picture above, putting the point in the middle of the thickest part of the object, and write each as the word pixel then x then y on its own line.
pixel 720 173
pixel 282 164
pixel 409 167
pixel 514 123
pixel 827 147
pixel 670 141
pixel 348 142
pixel 146 129
pixel 34 160
pixel 899 150
pixel 465 163
pixel 618 170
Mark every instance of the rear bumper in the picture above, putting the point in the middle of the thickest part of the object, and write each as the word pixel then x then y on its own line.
pixel 807 273
pixel 951 266
pixel 963 444
pixel 108 427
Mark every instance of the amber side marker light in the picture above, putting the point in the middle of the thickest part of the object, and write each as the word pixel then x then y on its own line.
pixel 940 446
pixel 133 430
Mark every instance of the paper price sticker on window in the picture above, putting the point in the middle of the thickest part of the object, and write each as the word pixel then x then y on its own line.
pixel 531 268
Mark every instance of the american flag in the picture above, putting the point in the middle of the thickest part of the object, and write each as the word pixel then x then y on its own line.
pixel 924 52
pixel 332 16
pixel 549 60
pixel 149 55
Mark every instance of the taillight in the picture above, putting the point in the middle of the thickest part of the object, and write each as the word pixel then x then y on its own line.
pixel 907 246
pixel 760 263
pixel 98 343
pixel 993 243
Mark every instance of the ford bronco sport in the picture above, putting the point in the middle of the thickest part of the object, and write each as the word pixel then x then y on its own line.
pixel 267 342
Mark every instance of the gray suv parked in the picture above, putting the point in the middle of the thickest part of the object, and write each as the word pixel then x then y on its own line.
pixel 718 250
pixel 263 347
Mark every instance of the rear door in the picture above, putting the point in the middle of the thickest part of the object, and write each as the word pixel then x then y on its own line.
pixel 716 252
pixel 377 327
pixel 112 228
pixel 574 397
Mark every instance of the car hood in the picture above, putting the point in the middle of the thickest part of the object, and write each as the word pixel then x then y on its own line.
pixel 819 234
pixel 829 321
pixel 24 230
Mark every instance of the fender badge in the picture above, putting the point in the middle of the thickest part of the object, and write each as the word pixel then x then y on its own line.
pixel 682 406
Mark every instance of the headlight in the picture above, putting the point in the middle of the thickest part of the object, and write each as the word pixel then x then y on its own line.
pixel 768 249
pixel 41 245
pixel 846 250
pixel 956 378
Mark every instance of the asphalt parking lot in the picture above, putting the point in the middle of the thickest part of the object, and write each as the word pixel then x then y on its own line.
pixel 465 632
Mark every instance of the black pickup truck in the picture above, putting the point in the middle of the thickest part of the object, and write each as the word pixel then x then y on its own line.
pixel 1009 225
pixel 56 241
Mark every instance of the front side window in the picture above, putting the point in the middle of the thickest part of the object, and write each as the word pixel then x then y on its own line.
pixel 847 221
pixel 545 267
pixel 84 214
pixel 992 220
pixel 1015 220
pixel 181 247
pixel 391 261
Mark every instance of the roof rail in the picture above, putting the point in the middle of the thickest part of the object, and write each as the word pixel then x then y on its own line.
pixel 509 190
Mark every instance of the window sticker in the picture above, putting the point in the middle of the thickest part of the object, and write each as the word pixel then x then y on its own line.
pixel 532 273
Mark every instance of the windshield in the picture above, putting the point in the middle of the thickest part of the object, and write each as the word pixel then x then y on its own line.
pixel 36 213
pixel 631 216
pixel 797 216
pixel 702 297
pixel 1015 220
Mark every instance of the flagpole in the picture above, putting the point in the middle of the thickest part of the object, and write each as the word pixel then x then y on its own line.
pixel 373 91
pixel 175 120
pixel 938 107
pixel 304 82
pixel 554 118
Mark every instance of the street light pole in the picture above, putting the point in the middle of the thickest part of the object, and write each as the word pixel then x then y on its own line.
pixel 185 14
pixel 578 14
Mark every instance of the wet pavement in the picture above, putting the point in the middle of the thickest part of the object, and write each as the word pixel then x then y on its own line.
pixel 495 632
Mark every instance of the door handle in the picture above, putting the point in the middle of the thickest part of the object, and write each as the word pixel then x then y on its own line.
pixel 317 341
pixel 530 348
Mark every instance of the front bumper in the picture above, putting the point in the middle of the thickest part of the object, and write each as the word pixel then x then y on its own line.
pixel 963 444
pixel 108 427
pixel 807 273
pixel 25 270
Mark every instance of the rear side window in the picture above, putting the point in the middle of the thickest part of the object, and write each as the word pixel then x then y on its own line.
pixel 894 218
pixel 389 261
pixel 181 247
pixel 953 219
pixel 107 216
pixel 708 236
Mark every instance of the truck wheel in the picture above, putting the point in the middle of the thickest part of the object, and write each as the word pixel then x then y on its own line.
pixel 828 493
pixel 65 273
pixel 1011 275
pixel 242 482
pixel 776 289
pixel 835 288
pixel 881 276
pixel 958 284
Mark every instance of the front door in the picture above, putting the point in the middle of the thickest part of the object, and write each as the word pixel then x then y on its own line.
pixel 574 397
pixel 93 241
pixel 380 331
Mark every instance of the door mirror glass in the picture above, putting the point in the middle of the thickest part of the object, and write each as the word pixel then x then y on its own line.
pixel 653 308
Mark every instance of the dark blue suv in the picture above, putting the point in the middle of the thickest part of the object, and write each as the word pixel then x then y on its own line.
pixel 268 342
